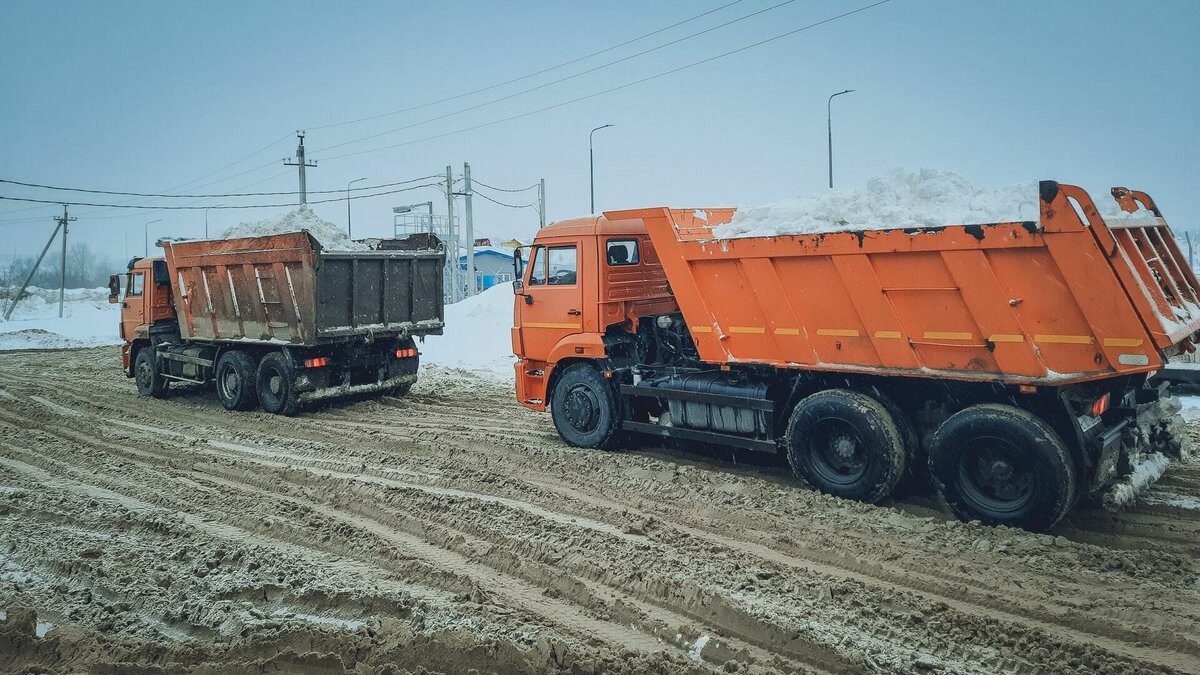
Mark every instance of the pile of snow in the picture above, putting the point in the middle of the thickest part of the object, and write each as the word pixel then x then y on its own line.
pixel 478 335
pixel 88 320
pixel 900 200
pixel 331 236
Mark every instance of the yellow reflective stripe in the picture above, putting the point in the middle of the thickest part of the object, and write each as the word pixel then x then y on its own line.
pixel 787 331
pixel 700 329
pixel 887 334
pixel 531 324
pixel 1006 337
pixel 1065 339
pixel 837 332
pixel 1123 342
pixel 749 330
pixel 946 335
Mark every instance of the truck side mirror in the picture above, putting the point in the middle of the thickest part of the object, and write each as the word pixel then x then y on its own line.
pixel 114 288
pixel 518 283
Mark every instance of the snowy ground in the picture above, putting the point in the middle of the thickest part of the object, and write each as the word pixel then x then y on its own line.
pixel 88 320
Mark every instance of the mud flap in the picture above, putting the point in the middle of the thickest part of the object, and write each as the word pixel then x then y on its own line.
pixel 1160 436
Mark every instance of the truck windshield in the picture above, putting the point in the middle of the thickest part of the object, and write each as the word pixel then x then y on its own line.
pixel 537 267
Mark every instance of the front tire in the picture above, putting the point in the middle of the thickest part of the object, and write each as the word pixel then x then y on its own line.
pixel 584 407
pixel 235 381
pixel 150 381
pixel 846 444
pixel 277 385
pixel 1002 465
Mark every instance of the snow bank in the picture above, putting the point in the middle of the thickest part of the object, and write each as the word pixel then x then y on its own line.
pixel 88 320
pixel 903 199
pixel 331 236
pixel 478 335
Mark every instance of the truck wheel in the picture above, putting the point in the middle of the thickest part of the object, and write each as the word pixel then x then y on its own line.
pixel 916 468
pixel 846 444
pixel 584 408
pixel 235 380
pixel 277 385
pixel 150 381
pixel 1002 465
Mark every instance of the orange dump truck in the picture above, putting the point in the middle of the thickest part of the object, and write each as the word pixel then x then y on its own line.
pixel 1009 361
pixel 277 321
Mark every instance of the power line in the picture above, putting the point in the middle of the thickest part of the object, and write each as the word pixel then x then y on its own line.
pixel 207 196
pixel 554 82
pixel 511 206
pixel 490 187
pixel 222 206
pixel 525 77
pixel 619 87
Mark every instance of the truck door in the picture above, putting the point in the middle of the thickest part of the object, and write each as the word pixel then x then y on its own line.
pixel 133 309
pixel 553 306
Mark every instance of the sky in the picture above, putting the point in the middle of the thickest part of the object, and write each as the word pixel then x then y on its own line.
pixel 139 96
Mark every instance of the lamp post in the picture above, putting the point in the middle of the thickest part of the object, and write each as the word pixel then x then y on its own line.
pixel 592 164
pixel 206 218
pixel 146 237
pixel 829 128
pixel 348 231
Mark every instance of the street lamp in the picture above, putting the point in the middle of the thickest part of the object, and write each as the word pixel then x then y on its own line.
pixel 408 209
pixel 829 127
pixel 592 164
pixel 206 218
pixel 348 232
pixel 146 237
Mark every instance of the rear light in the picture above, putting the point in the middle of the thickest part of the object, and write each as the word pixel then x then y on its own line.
pixel 1101 405
pixel 320 362
pixel 405 353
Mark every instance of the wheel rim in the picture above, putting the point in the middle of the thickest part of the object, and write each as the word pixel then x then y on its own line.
pixel 838 451
pixel 274 382
pixel 145 375
pixel 995 476
pixel 229 383
pixel 582 408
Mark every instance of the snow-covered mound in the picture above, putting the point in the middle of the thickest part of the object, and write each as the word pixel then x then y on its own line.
pixel 478 335
pixel 901 199
pixel 88 320
pixel 331 236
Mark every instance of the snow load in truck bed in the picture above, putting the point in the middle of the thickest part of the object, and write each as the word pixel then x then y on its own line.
pixel 331 237
pixel 900 200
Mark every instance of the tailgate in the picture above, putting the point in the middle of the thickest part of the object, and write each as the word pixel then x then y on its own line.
pixel 379 292
pixel 1151 267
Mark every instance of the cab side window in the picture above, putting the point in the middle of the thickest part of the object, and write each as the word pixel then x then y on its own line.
pixel 537 267
pixel 135 284
pixel 563 265
pixel 621 252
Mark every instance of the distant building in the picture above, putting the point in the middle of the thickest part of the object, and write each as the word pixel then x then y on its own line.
pixel 493 265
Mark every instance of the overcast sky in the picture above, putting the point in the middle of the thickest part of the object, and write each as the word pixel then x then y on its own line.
pixel 147 96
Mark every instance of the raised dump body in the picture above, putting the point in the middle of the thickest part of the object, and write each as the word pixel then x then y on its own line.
pixel 276 321
pixel 285 288
pixel 1067 299
pixel 1005 363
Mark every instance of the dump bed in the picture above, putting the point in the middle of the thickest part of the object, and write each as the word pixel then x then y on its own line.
pixel 1067 298
pixel 284 288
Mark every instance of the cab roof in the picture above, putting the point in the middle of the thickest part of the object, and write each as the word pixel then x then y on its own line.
pixel 590 225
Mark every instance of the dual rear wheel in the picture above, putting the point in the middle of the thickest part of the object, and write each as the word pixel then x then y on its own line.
pixel 271 384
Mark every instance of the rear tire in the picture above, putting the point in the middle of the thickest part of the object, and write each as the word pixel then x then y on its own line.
pixel 584 408
pixel 846 444
pixel 277 385
pixel 235 381
pixel 1002 465
pixel 150 381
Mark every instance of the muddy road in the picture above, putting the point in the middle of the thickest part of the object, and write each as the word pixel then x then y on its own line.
pixel 452 530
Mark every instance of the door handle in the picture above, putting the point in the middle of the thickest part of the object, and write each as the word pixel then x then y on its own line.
pixel 574 312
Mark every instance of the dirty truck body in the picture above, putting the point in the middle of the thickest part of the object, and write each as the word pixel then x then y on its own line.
pixel 276 321
pixel 1005 363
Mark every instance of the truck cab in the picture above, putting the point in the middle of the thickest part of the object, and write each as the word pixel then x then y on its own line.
pixel 146 307
pixel 580 290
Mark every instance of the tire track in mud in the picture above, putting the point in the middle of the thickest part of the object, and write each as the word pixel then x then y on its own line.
pixel 725 516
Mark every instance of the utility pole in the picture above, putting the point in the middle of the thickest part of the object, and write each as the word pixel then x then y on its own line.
pixel 62 279
pixel 592 165
pixel 829 128
pixel 300 162
pixel 452 235
pixel 470 230
pixel 33 270
pixel 541 203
